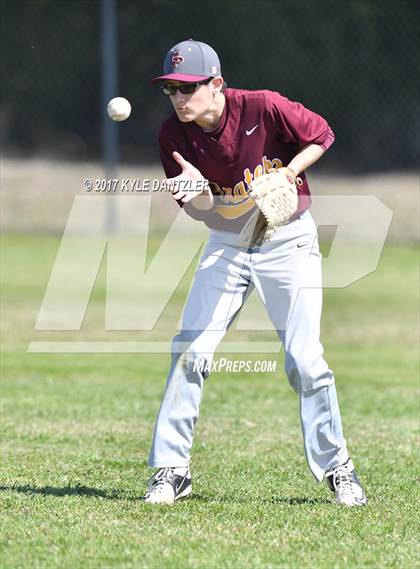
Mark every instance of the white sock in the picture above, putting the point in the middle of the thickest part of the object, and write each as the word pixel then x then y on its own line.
pixel 181 470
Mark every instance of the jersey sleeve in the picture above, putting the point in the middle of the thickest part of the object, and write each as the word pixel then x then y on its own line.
pixel 295 123
pixel 167 146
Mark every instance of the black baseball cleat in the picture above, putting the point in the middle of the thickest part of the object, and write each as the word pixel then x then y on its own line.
pixel 168 485
pixel 343 481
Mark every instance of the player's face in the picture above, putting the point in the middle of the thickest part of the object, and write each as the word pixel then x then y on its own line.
pixel 195 105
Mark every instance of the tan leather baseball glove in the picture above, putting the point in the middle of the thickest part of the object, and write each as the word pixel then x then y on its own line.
pixel 276 198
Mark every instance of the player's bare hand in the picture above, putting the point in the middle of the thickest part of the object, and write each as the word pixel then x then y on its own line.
pixel 189 184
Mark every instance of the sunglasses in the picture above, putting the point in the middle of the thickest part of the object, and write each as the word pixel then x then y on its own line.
pixel 185 88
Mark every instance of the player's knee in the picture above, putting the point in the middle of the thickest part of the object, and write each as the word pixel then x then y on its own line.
pixel 306 374
pixel 185 355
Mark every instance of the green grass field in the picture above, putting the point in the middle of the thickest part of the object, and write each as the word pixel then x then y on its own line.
pixel 76 433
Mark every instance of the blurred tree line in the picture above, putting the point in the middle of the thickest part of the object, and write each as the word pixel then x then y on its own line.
pixel 356 62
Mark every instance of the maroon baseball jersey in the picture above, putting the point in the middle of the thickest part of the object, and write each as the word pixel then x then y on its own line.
pixel 258 130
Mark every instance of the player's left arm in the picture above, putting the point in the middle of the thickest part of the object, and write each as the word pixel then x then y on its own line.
pixel 296 124
pixel 306 157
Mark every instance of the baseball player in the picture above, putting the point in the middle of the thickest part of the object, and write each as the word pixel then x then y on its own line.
pixel 230 137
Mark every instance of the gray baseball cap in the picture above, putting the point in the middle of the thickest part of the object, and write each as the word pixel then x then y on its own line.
pixel 190 61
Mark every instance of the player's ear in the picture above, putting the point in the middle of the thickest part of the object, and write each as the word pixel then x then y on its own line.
pixel 217 84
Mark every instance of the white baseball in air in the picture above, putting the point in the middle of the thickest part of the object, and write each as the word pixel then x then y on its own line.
pixel 119 109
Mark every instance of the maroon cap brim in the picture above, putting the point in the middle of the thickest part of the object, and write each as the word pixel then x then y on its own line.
pixel 180 77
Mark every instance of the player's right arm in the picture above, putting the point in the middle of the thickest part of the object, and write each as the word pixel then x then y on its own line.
pixel 178 171
pixel 201 198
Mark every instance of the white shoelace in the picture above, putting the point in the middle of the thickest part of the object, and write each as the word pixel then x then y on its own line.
pixel 158 480
pixel 342 481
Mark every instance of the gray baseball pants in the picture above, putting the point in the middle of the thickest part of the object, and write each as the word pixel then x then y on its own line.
pixel 286 272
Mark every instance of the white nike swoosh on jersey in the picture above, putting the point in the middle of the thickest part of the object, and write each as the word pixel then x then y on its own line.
pixel 248 132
